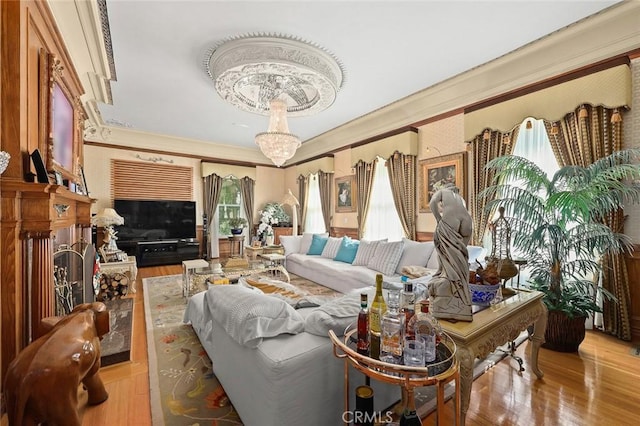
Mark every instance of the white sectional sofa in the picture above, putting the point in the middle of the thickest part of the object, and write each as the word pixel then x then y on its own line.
pixel 334 271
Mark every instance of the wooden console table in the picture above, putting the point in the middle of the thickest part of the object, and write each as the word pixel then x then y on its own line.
pixel 493 327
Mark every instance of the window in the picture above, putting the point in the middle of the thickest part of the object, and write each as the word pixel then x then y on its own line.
pixel 314 222
pixel 382 220
pixel 230 204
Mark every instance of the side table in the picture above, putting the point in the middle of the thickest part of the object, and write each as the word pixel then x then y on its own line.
pixel 122 267
pixel 236 243
pixel 188 267
pixel 407 377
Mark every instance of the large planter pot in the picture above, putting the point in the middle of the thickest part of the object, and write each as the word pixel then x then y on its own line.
pixel 564 334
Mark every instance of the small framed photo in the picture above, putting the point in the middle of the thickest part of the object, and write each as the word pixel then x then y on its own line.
pixel 58 178
pixel 345 194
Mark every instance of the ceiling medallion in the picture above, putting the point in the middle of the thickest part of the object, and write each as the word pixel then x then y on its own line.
pixel 251 70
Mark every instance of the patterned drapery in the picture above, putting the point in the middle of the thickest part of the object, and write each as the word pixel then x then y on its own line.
pixel 247 187
pixel 212 187
pixel 484 148
pixel 402 177
pixel 303 196
pixel 584 136
pixel 364 182
pixel 325 181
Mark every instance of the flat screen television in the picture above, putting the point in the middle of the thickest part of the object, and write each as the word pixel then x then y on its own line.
pixel 155 220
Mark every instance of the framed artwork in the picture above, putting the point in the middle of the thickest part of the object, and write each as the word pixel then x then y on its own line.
pixel 41 171
pixel 435 173
pixel 346 194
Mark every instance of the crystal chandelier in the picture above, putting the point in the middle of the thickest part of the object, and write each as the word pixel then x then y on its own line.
pixel 277 75
pixel 277 143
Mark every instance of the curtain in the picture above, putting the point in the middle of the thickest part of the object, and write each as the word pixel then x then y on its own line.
pixel 484 148
pixel 212 186
pixel 584 136
pixel 247 187
pixel 325 181
pixel 303 195
pixel 402 176
pixel 364 182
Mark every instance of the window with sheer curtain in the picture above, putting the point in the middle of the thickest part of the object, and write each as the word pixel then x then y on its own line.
pixel 382 220
pixel 314 221
pixel 230 205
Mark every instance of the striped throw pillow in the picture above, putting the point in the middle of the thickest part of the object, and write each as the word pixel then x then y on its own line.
pixel 366 251
pixel 386 257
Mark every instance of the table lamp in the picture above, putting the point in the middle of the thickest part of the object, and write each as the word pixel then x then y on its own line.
pixel 291 200
pixel 106 219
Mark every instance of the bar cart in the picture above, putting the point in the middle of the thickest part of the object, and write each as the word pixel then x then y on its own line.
pixel 439 373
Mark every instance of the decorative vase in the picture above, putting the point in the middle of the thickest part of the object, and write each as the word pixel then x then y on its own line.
pixel 269 240
pixel 483 294
pixel 236 231
pixel 564 334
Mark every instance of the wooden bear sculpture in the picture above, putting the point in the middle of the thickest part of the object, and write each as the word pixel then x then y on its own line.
pixel 42 382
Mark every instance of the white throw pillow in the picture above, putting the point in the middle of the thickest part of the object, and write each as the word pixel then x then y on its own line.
pixel 366 251
pixel 248 316
pixel 305 243
pixel 291 243
pixel 386 257
pixel 331 248
pixel 414 254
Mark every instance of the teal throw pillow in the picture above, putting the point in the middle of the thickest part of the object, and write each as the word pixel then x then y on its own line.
pixel 347 251
pixel 317 244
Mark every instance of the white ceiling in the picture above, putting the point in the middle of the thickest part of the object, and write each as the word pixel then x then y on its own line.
pixel 389 49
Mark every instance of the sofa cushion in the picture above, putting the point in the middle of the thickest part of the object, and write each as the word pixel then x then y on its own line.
pixel 347 251
pixel 414 254
pixel 248 316
pixel 291 243
pixel 331 248
pixel 317 245
pixel 307 238
pixel 386 257
pixel 365 252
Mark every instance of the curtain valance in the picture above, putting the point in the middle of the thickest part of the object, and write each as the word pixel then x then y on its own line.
pixel 611 88
pixel 223 170
pixel 405 143
pixel 324 164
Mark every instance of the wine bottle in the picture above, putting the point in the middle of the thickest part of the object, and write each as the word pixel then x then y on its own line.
pixel 363 326
pixel 408 307
pixel 378 308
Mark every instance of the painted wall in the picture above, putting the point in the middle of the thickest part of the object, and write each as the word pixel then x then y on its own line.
pixel 631 132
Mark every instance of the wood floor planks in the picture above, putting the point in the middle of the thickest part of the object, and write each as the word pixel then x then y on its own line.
pixel 597 386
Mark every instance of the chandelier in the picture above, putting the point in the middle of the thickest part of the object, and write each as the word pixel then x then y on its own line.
pixel 277 143
pixel 274 75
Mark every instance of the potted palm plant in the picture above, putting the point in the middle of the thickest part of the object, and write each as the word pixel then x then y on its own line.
pixel 237 224
pixel 557 226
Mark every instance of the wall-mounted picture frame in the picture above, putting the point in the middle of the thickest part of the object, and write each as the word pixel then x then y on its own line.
pixel 436 172
pixel 346 201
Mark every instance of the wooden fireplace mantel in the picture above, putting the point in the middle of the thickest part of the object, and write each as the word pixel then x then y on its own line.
pixel 32 213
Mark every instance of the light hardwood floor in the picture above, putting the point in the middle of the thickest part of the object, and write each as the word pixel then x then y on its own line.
pixel 597 386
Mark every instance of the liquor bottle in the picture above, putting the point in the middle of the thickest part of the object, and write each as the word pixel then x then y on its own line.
pixel 410 418
pixel 408 307
pixel 363 326
pixel 428 328
pixel 378 308
pixel 392 328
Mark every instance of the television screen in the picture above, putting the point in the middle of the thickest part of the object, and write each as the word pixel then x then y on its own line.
pixel 152 220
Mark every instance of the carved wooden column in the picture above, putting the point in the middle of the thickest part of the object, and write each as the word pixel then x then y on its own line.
pixel 42 291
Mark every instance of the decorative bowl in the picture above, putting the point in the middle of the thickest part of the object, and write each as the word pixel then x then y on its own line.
pixel 483 294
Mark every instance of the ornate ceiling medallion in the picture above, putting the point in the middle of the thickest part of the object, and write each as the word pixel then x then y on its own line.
pixel 251 70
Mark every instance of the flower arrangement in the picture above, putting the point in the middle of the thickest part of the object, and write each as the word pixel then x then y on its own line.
pixel 272 214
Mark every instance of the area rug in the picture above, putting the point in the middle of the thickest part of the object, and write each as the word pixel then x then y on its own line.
pixel 116 345
pixel 185 391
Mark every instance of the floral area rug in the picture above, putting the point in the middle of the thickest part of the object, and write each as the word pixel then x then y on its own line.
pixel 184 390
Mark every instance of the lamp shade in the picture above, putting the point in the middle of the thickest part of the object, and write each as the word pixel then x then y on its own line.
pixel 107 217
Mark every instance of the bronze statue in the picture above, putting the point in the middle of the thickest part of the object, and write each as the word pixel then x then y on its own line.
pixel 449 288
pixel 41 384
